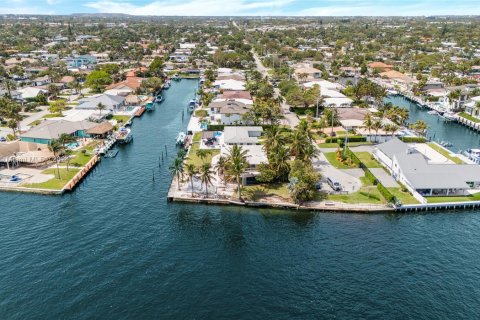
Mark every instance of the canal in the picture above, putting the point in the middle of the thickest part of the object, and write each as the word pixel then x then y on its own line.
pixel 461 137
pixel 115 249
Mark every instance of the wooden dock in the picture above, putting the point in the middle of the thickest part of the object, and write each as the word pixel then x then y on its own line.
pixel 140 112
pixel 81 174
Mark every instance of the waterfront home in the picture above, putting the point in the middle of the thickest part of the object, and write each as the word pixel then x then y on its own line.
pixel 242 96
pixel 230 84
pixel 324 85
pixel 125 87
pixel 396 78
pixel 52 129
pixel 352 118
pixel 412 169
pixel 228 112
pixel 255 156
pixel 101 130
pixel 247 135
pixel 471 107
pixel 112 103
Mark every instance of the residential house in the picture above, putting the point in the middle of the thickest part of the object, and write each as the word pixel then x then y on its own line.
pixel 53 129
pixel 230 84
pixel 228 112
pixel 78 61
pixel 125 87
pixel 112 103
pixel 41 81
pixel 31 92
pixel 247 135
pixel 412 169
pixel 305 72
pixel 379 66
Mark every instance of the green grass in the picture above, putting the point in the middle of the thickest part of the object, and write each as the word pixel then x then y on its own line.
pixel 341 133
pixel 35 123
pixel 55 183
pixel 201 113
pixel 195 160
pixel 52 115
pixel 475 197
pixel 197 136
pixel 357 143
pixel 444 153
pixel 368 160
pixel 332 158
pixel 404 197
pixel 368 193
pixel 257 192
pixel 121 118
pixel 328 145
pixel 469 117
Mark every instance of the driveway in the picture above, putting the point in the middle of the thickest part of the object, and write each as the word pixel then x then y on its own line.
pixel 348 178
pixel 385 178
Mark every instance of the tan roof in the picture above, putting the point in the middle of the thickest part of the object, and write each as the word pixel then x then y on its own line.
pixel 67 79
pixel 102 128
pixel 131 82
pixel 379 65
pixel 236 95
pixel 392 74
pixel 351 113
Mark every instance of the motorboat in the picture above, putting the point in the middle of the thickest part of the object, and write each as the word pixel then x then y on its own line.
pixel 449 116
pixel 158 99
pixel 181 138
pixel 176 77
pixel 167 85
pixel 392 92
pixel 432 112
pixel 446 144
pixel 192 104
pixel 124 135
pixel 473 155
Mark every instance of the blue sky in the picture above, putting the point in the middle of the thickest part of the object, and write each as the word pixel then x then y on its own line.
pixel 246 7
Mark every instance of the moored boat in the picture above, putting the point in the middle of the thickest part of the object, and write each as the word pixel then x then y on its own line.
pixel 158 99
pixel 124 135
pixel 181 138
pixel 176 77
pixel 473 155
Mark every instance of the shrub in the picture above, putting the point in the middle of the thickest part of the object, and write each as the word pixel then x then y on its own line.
pixel 413 139
pixel 385 193
pixel 215 127
pixel 201 113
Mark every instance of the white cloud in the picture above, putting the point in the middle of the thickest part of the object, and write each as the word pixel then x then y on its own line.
pixel 191 7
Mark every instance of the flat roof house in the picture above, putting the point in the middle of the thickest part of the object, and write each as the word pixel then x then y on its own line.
pixel 247 135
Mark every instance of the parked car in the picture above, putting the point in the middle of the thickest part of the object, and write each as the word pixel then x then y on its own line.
pixel 336 186
pixel 2 139
pixel 318 185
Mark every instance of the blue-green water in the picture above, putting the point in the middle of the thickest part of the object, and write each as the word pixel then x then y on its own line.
pixel 461 137
pixel 115 249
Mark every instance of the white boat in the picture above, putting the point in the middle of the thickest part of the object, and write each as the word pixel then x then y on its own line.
pixel 166 85
pixel 434 112
pixel 449 116
pixel 181 138
pixel 473 154
pixel 158 99
pixel 124 135
pixel 192 104
pixel 392 92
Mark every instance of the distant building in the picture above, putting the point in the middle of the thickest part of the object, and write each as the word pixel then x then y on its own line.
pixel 81 61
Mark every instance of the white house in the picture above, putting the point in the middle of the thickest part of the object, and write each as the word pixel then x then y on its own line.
pixel 228 112
pixel 247 135
pixel 230 84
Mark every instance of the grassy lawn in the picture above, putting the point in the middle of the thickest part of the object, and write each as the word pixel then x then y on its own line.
pixel 368 193
pixel 121 118
pixel 332 158
pixel 468 117
pixel 403 197
pixel 201 113
pixel 193 158
pixel 52 115
pixel 55 183
pixel 259 191
pixel 368 160
pixel 444 153
pixel 356 144
pixel 328 145
pixel 475 197
pixel 197 136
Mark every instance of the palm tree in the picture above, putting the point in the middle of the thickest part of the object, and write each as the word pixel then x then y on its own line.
pixel 273 138
pixel 56 148
pixel 368 123
pixel 191 172
pixel 206 175
pixel 177 169
pixel 377 125
pixel 203 154
pixel 221 167
pixel 420 126
pixel 100 107
pixel 279 161
pixel 237 164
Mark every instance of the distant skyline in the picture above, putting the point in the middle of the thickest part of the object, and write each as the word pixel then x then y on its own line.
pixel 246 7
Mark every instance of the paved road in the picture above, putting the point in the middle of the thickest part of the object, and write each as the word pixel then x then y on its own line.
pixel 24 124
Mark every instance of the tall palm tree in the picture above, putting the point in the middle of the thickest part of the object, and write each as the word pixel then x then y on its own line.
pixel 377 125
pixel 177 169
pixel 206 175
pixel 221 168
pixel 191 172
pixel 237 164
pixel 56 148
pixel 279 161
pixel 368 123
pixel 273 138
pixel 203 154
pixel 100 107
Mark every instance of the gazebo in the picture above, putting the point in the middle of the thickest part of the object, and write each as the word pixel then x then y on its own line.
pixel 101 130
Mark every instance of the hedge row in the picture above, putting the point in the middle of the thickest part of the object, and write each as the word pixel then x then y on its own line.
pixel 413 139
pixel 342 139
pixel 215 127
pixel 371 177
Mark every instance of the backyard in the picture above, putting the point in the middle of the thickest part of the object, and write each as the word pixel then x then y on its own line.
pixel 257 192
pixel 55 183
pixel 368 160
pixel 368 193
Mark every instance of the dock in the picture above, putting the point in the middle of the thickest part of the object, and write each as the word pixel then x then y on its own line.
pixel 81 174
pixel 140 112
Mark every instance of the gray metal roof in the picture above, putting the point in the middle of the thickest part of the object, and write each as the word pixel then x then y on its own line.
pixel 52 129
pixel 241 134
pixel 110 101
pixel 392 147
